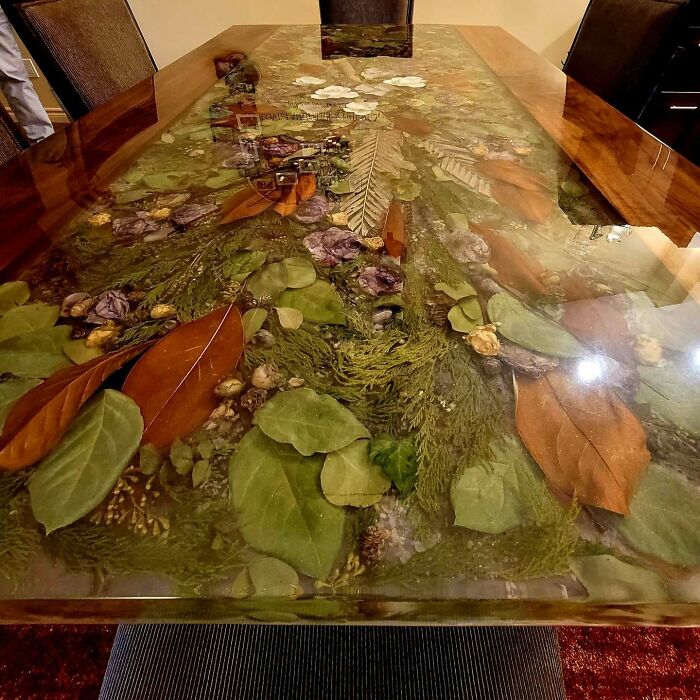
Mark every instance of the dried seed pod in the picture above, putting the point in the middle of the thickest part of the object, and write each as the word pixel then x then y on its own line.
pixel 100 219
pixel 266 376
pixel 372 542
pixel 102 336
pixel 253 399
pixel 230 388
pixel 296 383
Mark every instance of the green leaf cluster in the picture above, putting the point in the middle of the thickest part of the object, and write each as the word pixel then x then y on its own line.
pixel 398 460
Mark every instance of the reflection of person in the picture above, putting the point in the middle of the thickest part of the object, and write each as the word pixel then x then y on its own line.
pixel 18 89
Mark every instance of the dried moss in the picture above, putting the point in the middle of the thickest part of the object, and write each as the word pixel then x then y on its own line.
pixel 18 540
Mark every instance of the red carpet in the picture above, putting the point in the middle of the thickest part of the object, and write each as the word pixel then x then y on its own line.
pixel 53 662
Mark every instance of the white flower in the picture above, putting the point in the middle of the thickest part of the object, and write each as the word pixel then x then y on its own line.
pixel 334 92
pixel 379 90
pixel 309 80
pixel 412 81
pixel 371 73
pixel 360 108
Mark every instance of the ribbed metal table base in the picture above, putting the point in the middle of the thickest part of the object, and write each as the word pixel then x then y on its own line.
pixel 189 662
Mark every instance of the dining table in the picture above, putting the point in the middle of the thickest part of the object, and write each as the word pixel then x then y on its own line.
pixel 351 324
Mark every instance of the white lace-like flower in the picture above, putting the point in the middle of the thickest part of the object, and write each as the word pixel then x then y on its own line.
pixel 309 80
pixel 372 73
pixel 361 108
pixel 334 92
pixel 379 89
pixel 412 81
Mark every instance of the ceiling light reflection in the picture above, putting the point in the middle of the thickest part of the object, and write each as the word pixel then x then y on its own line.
pixel 590 369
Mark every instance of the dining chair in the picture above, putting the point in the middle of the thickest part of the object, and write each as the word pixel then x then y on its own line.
pixel 392 12
pixel 12 140
pixel 623 48
pixel 89 50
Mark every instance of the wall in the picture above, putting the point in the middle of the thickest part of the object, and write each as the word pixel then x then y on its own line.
pixel 172 28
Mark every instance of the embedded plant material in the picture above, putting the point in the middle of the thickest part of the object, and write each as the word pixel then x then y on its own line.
pixel 332 335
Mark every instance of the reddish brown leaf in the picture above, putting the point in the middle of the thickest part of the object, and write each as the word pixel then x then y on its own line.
pixel 529 205
pixel 294 196
pixel 38 421
pixel 173 384
pixel 587 442
pixel 602 324
pixel 394 231
pixel 412 125
pixel 515 267
pixel 247 202
pixel 576 288
pixel 512 173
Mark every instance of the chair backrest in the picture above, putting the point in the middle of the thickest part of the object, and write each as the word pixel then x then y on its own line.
pixel 393 12
pixel 89 50
pixel 12 140
pixel 623 47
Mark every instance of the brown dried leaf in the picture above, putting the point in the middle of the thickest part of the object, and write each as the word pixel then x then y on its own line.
pixel 294 196
pixel 173 384
pixel 527 204
pixel 412 124
pixel 513 174
pixel 515 267
pixel 247 202
pixel 394 231
pixel 38 421
pixel 587 442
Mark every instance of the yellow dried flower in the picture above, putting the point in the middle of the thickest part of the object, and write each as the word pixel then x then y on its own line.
pixel 484 340
pixel 522 150
pixel 101 336
pixel 162 311
pixel 100 219
pixel 163 213
pixel 480 151
pixel 374 243
pixel 339 218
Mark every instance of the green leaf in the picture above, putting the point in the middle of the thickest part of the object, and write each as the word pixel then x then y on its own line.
pixel 664 518
pixel 460 291
pixel 82 470
pixel 12 390
pixel 205 448
pixel 290 319
pixel 242 586
pixel 76 351
pixel 242 264
pixel 252 321
pixel 407 190
pixel 494 494
pixel 319 303
pixel 149 459
pixel 13 294
pixel 342 187
pixel 311 422
pixel 163 181
pixel 131 196
pixel 465 315
pixel 282 512
pixel 609 580
pixel 272 578
pixel 300 272
pixel 182 457
pixel 201 473
pixel 530 330
pixel 268 282
pixel 398 460
pixel 37 354
pixel 222 179
pixel 350 478
pixel 25 319
pixel 672 394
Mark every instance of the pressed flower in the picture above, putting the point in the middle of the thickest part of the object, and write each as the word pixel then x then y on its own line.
pixel 334 92
pixel 360 108
pixel 110 306
pixel 412 81
pixel 309 80
pixel 378 89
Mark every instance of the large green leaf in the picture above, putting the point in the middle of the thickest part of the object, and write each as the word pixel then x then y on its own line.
pixel 609 580
pixel 272 578
pixel 664 518
pixel 493 495
pixel 281 510
pixel 25 319
pixel 319 303
pixel 397 458
pixel 300 272
pixel 10 391
pixel 36 354
pixel 13 294
pixel 672 394
pixel 268 282
pixel 309 421
pixel 461 290
pixel 350 478
pixel 242 264
pixel 530 330
pixel 84 467
pixel 465 315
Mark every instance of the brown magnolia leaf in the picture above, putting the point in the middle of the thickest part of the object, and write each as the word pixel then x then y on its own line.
pixel 38 421
pixel 412 124
pixel 173 383
pixel 512 173
pixel 394 231
pixel 247 202
pixel 515 267
pixel 530 205
pixel 577 287
pixel 602 324
pixel 292 197
pixel 587 442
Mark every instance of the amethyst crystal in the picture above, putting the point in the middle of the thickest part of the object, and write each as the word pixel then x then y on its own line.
pixel 137 225
pixel 333 246
pixel 312 211
pixel 188 213
pixel 110 306
pixel 380 280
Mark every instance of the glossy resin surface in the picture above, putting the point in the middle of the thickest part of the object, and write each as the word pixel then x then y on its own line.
pixel 351 338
